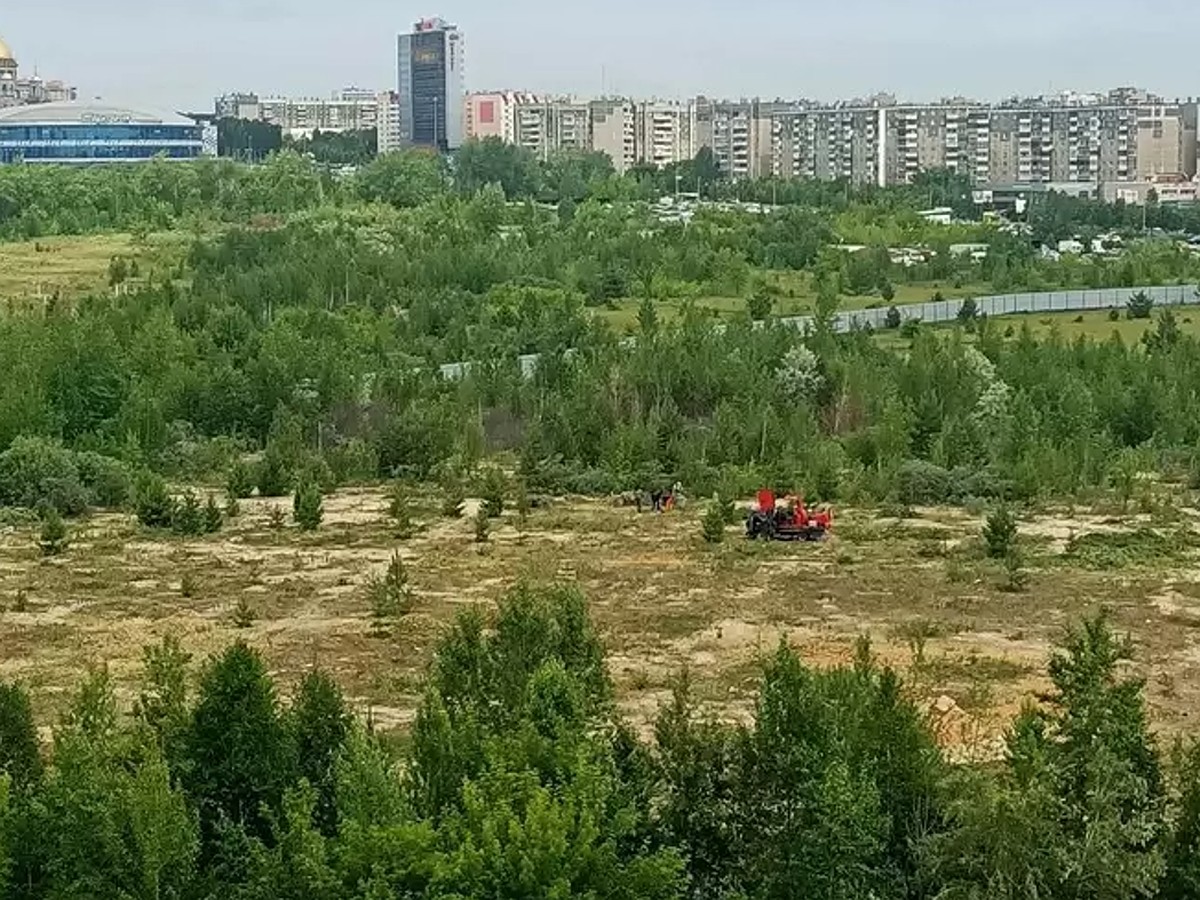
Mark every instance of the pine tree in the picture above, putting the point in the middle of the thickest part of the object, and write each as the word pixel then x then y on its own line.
pixel 240 483
pixel 239 753
pixel 492 492
pixel 400 510
pixel 390 597
pixel 19 755
pixel 53 538
pixel 274 476
pixel 483 526
pixel 308 507
pixel 213 517
pixel 155 507
pixel 319 723
pixel 1000 532
pixel 188 517
pixel 714 524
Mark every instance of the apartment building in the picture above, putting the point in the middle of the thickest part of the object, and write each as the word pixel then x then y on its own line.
pixel 494 114
pixel 1166 139
pixel 739 135
pixel 545 125
pixel 826 143
pixel 664 132
pixel 351 109
pixel 1095 139
pixel 614 131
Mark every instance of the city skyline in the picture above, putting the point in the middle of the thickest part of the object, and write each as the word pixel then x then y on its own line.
pixel 924 52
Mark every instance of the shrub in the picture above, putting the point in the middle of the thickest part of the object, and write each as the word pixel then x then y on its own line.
pixel 53 539
pixel 482 526
pixel 910 328
pixel 354 462
pixel 920 482
pixel 1139 306
pixel 243 614
pixel 1000 532
pixel 759 305
pixel 308 507
pixel 108 480
pixel 968 310
pixel 453 503
pixel 35 473
pixel 153 504
pixel 888 293
pixel 240 482
pixel 1114 315
pixel 892 320
pixel 713 524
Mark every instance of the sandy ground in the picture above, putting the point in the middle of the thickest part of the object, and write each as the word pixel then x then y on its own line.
pixel 663 600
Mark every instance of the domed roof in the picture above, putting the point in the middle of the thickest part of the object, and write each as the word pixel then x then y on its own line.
pixel 5 52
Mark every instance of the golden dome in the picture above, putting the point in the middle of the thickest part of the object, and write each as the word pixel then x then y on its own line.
pixel 5 52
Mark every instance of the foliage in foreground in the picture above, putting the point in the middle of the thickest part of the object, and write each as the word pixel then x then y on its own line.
pixel 522 780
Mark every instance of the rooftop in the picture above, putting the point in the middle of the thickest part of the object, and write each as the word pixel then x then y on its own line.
pixel 86 113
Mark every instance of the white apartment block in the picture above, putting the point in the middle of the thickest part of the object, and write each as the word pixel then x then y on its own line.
pixel 546 126
pixel 664 132
pixel 352 109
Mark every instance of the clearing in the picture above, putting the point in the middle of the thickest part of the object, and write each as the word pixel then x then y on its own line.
pixel 920 588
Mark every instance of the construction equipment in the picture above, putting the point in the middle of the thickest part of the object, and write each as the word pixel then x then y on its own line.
pixel 787 521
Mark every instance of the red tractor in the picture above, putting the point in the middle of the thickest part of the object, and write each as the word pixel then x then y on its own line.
pixel 786 521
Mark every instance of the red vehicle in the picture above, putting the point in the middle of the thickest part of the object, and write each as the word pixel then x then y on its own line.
pixel 790 520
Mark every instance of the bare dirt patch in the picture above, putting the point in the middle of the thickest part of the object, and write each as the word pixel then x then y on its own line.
pixel 663 600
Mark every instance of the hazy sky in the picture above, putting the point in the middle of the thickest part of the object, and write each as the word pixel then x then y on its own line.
pixel 180 53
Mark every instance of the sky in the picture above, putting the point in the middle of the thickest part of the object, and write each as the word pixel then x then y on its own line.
pixel 179 54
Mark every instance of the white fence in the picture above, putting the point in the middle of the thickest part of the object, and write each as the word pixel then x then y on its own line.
pixel 1013 304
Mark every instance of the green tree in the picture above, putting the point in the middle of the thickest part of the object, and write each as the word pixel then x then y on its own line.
pixel 400 511
pixel 308 508
pixel 53 539
pixel 319 723
pixel 274 475
pixel 493 489
pixel 155 506
pixel 1182 878
pixel 404 179
pixel 391 597
pixel 714 523
pixel 240 482
pixel 162 704
pixel 188 516
pixel 1078 810
pixel 759 305
pixel 1000 532
pixel 480 163
pixel 239 755
pixel 20 758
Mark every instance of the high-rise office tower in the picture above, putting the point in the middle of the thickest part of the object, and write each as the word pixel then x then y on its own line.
pixel 430 64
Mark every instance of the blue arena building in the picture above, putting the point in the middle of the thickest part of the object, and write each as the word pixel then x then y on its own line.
pixel 94 133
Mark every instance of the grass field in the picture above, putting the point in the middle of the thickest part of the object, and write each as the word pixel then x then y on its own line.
pixel 664 601
pixel 33 272
pixel 797 297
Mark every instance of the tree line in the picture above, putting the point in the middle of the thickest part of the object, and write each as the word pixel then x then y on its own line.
pixel 521 779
